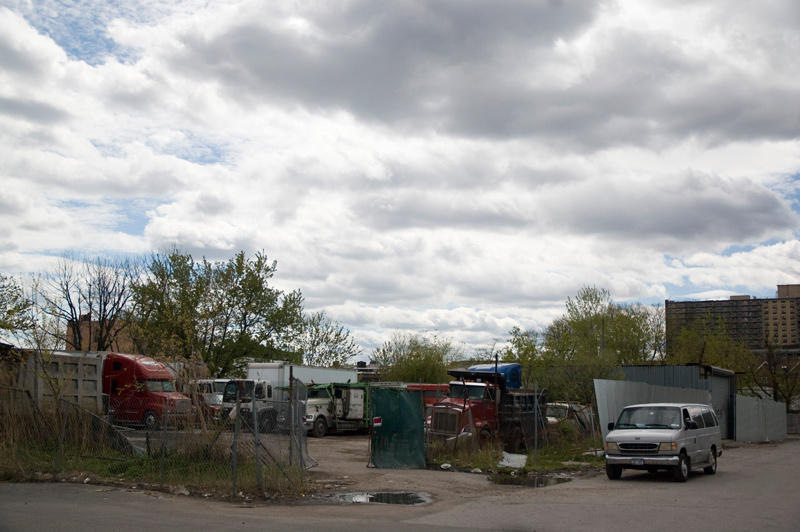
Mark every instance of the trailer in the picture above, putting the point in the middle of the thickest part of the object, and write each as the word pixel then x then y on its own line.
pixel 133 389
pixel 278 373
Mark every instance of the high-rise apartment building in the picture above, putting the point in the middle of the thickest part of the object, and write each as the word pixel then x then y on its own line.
pixel 773 322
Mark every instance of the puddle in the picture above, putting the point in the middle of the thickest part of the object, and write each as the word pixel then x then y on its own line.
pixel 386 497
pixel 532 481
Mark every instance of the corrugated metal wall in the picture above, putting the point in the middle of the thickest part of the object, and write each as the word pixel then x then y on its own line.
pixel 759 420
pixel 671 376
pixel 613 396
pixel 721 398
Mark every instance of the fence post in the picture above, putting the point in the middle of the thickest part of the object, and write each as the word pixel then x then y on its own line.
pixel 235 446
pixel 163 448
pixel 57 465
pixel 257 442
pixel 290 415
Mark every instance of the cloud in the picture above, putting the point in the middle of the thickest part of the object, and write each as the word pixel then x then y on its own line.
pixel 454 166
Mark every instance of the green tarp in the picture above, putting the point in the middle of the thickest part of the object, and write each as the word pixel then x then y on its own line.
pixel 398 438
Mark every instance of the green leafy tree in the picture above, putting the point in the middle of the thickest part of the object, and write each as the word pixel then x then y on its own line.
pixel 589 341
pixel 420 357
pixel 324 342
pixel 708 341
pixel 15 308
pixel 525 348
pixel 769 372
pixel 224 313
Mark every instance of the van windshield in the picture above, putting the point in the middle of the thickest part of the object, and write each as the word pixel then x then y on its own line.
pixel 164 385
pixel 654 417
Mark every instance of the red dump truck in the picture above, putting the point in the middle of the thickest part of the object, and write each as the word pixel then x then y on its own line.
pixel 481 405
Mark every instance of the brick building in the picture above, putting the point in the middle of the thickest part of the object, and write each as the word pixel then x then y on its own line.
pixel 758 322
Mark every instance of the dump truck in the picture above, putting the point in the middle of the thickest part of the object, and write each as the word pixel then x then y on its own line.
pixel 482 406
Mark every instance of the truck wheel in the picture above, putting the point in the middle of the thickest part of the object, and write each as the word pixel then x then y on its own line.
pixel 516 442
pixel 320 427
pixel 267 422
pixel 150 420
pixel 681 471
pixel 613 472
pixel 484 437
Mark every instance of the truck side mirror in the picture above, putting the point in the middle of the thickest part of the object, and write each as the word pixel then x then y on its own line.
pixel 611 426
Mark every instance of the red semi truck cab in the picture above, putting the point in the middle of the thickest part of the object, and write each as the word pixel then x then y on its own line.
pixel 471 408
pixel 142 390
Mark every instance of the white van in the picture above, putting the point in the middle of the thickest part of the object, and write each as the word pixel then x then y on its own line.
pixel 674 436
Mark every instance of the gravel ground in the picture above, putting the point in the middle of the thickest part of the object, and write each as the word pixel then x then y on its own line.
pixel 343 469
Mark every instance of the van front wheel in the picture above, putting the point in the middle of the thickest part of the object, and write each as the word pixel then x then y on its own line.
pixel 150 420
pixel 681 472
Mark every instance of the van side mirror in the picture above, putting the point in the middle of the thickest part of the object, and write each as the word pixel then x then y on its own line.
pixel 691 425
pixel 611 426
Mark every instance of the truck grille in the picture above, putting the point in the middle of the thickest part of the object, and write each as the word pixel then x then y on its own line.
pixel 639 448
pixel 444 421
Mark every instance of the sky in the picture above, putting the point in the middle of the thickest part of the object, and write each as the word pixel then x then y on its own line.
pixel 455 166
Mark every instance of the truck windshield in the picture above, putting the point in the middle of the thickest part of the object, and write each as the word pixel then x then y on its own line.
pixel 654 417
pixel 463 391
pixel 318 393
pixel 164 385
pixel 245 389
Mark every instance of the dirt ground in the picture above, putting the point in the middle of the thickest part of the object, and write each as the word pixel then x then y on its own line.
pixel 343 469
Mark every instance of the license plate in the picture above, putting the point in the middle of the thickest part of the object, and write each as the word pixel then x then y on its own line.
pixel 637 461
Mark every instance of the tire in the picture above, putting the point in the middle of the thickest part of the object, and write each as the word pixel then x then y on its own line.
pixel 484 437
pixel 516 442
pixel 267 422
pixel 320 427
pixel 681 471
pixel 613 472
pixel 150 420
pixel 712 469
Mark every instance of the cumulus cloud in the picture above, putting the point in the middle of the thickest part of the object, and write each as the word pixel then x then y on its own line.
pixel 454 166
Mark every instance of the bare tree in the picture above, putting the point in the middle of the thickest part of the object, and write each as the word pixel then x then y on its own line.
pixel 90 297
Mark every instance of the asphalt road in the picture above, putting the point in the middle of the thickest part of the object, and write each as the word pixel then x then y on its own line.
pixel 756 488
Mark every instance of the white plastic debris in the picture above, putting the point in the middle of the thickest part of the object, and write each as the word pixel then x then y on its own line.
pixel 516 461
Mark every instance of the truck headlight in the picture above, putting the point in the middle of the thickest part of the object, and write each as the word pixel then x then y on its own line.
pixel 611 446
pixel 668 446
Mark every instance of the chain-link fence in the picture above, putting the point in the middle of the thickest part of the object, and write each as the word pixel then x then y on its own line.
pixel 184 450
